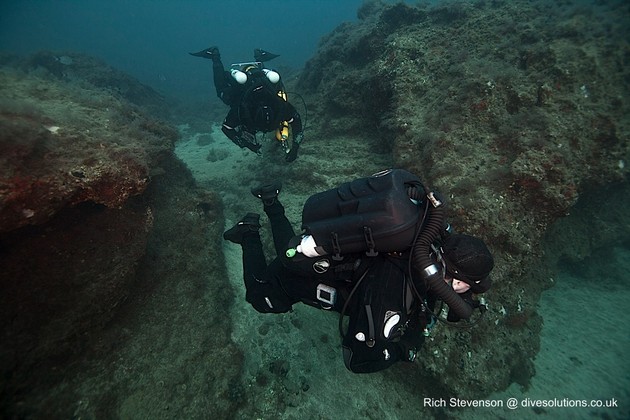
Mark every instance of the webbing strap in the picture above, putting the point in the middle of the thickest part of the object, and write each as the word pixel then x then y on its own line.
pixel 371 333
pixel 369 241
pixel 334 238
pixel 345 305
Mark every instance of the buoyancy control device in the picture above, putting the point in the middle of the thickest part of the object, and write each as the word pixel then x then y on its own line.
pixel 390 211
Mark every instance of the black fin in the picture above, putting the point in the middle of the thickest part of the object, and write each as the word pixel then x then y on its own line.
pixel 207 53
pixel 262 55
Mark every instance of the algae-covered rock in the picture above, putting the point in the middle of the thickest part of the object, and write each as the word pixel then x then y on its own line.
pixel 113 283
pixel 71 158
pixel 62 144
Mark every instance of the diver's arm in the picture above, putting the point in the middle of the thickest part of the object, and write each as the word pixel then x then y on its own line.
pixel 231 133
pixel 296 124
pixel 238 134
pixel 230 126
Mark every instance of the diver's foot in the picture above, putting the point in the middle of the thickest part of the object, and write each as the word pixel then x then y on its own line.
pixel 268 193
pixel 249 223
pixel 211 53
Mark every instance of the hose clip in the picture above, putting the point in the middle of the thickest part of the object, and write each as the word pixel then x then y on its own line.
pixel 434 200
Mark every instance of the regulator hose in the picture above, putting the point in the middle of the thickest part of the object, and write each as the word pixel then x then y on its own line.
pixel 430 271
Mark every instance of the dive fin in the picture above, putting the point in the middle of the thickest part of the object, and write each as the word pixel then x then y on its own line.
pixel 207 53
pixel 262 55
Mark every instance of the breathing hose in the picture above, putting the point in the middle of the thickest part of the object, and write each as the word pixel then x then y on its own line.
pixel 428 270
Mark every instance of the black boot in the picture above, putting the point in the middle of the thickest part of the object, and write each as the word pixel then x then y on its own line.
pixel 249 223
pixel 212 53
pixel 268 193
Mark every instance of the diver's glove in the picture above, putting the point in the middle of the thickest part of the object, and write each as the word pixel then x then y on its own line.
pixel 246 136
pixel 247 139
pixel 297 139
pixel 293 153
pixel 254 147
pixel 466 297
pixel 242 143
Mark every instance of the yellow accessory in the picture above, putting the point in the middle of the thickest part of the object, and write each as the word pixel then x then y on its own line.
pixel 282 133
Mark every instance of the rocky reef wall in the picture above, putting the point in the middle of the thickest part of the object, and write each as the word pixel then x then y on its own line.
pixel 108 251
pixel 512 109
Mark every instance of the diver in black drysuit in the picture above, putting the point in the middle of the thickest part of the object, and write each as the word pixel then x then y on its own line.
pixel 250 112
pixel 274 288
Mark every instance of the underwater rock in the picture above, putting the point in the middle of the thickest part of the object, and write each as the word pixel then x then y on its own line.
pixel 99 227
pixel 75 67
pixel 61 145
pixel 72 159
pixel 510 112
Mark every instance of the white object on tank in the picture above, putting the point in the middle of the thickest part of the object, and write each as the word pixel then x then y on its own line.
pixel 239 76
pixel 308 247
pixel 272 75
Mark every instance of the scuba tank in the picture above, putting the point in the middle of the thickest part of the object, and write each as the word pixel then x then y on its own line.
pixel 239 76
pixel 241 72
pixel 272 76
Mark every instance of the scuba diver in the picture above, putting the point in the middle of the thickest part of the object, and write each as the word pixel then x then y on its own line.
pixel 376 250
pixel 257 101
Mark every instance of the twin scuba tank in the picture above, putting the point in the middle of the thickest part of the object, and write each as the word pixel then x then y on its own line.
pixel 242 72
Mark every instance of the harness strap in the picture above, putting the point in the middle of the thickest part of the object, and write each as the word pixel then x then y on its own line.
pixel 371 333
pixel 362 270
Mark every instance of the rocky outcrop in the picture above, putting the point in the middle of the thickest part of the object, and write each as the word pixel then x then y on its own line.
pixel 71 158
pixel 62 144
pixel 104 249
pixel 513 110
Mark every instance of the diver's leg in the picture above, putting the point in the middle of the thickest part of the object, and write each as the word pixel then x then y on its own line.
pixel 254 262
pixel 219 75
pixel 262 282
pixel 281 227
pixel 245 233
